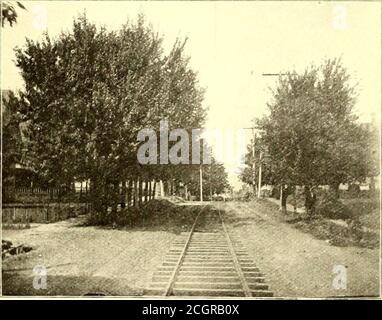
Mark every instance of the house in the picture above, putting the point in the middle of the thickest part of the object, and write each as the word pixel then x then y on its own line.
pixel 15 169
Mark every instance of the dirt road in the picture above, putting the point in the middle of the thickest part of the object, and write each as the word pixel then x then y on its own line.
pixel 295 263
pixel 81 260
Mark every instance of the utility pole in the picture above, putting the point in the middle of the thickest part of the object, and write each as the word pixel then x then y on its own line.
pixel 201 182
pixel 260 169
pixel 254 160
pixel 201 173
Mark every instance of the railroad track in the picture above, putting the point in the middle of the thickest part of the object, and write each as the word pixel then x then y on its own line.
pixel 207 261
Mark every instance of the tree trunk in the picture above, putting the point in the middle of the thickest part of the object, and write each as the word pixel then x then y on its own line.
pixel 310 200
pixel 98 195
pixel 123 196
pixel 150 190
pixel 283 199
pixel 146 191
pixel 135 196
pixel 284 193
pixel 154 188
pixel 86 196
pixel 114 197
pixel 140 192
pixel 254 188
pixel 334 188
pixel 284 202
pixel 129 193
pixel 165 188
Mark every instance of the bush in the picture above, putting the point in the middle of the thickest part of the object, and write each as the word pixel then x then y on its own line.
pixel 329 206
pixel 248 196
pixel 354 191
pixel 275 193
pixel 155 214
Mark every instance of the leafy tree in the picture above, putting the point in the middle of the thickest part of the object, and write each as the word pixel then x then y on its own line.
pixel 311 134
pixel 11 142
pixel 249 173
pixel 88 93
pixel 215 179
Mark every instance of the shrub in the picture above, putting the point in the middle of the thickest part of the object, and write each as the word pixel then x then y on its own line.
pixel 331 207
pixel 248 196
pixel 97 219
pixel 354 191
pixel 275 193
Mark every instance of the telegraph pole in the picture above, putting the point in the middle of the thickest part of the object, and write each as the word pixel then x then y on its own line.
pixel 201 174
pixel 201 182
pixel 254 160
pixel 260 169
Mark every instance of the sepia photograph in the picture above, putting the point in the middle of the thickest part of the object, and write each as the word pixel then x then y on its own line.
pixel 191 150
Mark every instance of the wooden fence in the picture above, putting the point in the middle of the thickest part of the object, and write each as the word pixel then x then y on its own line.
pixel 40 212
pixel 40 195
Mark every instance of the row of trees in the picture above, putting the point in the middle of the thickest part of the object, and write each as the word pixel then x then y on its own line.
pixel 87 94
pixel 311 136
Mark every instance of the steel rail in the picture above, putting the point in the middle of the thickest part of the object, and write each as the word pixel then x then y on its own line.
pixel 243 281
pixel 171 281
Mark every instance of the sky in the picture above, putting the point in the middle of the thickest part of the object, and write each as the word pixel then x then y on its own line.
pixel 231 44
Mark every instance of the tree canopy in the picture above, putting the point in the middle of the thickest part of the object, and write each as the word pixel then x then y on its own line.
pixel 89 91
pixel 311 134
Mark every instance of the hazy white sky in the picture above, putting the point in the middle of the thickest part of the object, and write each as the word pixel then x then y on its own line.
pixel 231 44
